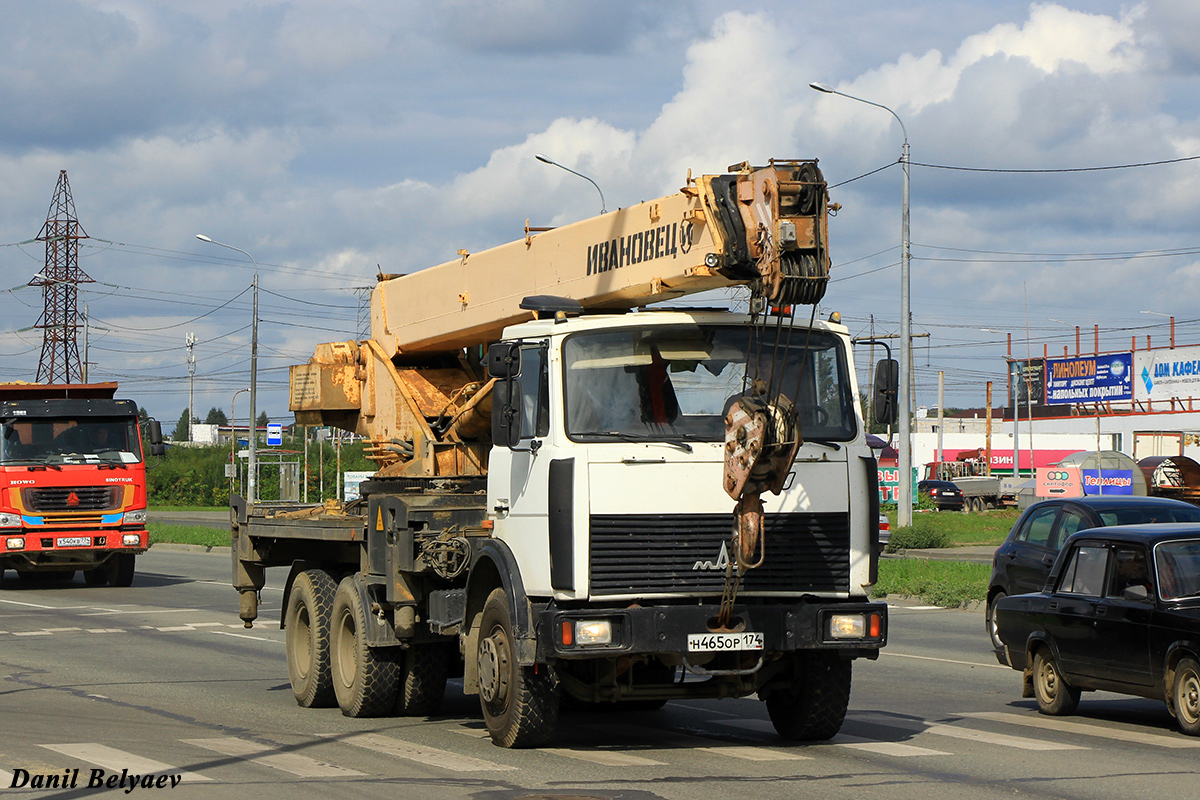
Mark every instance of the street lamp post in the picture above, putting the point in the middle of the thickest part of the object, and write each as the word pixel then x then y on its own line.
pixel 904 495
pixel 552 162
pixel 252 461
pixel 233 436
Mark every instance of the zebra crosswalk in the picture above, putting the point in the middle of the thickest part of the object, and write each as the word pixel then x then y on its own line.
pixel 619 746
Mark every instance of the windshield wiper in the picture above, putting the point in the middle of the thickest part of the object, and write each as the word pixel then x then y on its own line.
pixel 647 439
pixel 28 462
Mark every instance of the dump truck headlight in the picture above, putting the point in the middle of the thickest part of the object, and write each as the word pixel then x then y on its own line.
pixel 10 520
pixel 15 542
pixel 847 626
pixel 131 539
pixel 135 517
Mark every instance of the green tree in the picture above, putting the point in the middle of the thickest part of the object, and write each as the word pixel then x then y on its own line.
pixel 263 419
pixel 216 417
pixel 182 428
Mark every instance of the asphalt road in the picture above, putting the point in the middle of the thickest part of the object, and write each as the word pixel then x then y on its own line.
pixel 161 679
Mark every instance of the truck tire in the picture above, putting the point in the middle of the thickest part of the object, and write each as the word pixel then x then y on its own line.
pixel 95 577
pixel 814 706
pixel 1054 695
pixel 364 678
pixel 310 607
pixel 1185 696
pixel 520 704
pixel 120 569
pixel 424 670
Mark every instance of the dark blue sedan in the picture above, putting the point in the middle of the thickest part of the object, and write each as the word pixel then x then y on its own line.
pixel 1120 612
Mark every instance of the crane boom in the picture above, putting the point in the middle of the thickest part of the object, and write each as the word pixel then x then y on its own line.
pixel 766 224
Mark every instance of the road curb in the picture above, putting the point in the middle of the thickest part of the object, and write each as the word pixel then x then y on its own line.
pixel 191 548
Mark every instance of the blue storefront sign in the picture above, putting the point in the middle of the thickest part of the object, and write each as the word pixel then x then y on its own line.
pixel 1107 481
pixel 1090 379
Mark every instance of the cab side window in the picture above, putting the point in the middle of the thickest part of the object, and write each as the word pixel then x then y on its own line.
pixel 1084 573
pixel 1038 527
pixel 535 393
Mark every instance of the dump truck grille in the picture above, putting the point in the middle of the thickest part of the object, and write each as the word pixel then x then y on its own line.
pixel 649 554
pixel 67 498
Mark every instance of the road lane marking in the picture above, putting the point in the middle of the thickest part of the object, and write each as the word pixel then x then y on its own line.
pixel 301 766
pixel 113 759
pixel 605 757
pixel 944 660
pixel 107 630
pixel 32 633
pixel 662 738
pixel 61 630
pixel 884 748
pixel 430 756
pixel 1083 729
pixel 955 732
pixel 246 636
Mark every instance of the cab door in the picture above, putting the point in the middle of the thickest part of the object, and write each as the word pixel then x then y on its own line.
pixel 1071 609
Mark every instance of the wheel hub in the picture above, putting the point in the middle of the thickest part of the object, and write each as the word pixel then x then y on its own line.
pixel 493 668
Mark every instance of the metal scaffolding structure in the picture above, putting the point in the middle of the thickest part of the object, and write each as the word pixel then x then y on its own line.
pixel 60 289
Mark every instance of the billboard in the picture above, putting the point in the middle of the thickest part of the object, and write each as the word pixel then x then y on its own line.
pixel 1089 379
pixel 1167 374
pixel 1027 382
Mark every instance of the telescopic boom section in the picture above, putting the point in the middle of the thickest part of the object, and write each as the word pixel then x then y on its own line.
pixel 766 224
pixel 426 412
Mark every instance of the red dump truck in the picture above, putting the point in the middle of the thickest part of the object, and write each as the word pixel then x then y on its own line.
pixel 72 482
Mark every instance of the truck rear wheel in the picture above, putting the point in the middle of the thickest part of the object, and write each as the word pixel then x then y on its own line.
pixel 424 670
pixel 310 607
pixel 364 678
pixel 814 706
pixel 520 704
pixel 120 569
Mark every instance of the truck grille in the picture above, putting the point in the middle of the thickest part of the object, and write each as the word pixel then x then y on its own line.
pixel 649 554
pixel 66 498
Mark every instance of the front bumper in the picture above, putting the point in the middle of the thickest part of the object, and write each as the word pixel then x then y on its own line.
pixel 65 547
pixel 665 629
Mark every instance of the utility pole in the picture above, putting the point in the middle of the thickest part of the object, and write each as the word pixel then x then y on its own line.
pixel 191 362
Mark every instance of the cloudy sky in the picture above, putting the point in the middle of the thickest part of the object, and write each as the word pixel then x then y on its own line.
pixel 333 139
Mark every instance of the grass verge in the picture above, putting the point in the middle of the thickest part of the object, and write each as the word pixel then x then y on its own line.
pixel 953 528
pixel 942 583
pixel 163 533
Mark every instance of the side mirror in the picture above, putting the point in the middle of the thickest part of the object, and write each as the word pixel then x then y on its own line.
pixel 506 410
pixel 1135 592
pixel 154 432
pixel 887 390
pixel 504 360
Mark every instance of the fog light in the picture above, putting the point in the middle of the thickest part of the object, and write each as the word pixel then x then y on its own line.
pixel 15 543
pixel 135 517
pixel 593 632
pixel 847 626
pixel 131 539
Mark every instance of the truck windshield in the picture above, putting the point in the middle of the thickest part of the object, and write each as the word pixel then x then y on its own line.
pixel 65 440
pixel 674 382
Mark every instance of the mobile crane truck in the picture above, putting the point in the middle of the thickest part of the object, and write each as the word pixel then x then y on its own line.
pixel 581 500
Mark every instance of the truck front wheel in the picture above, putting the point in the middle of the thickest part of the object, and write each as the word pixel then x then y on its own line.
pixel 364 678
pixel 813 707
pixel 120 569
pixel 520 704
pixel 309 609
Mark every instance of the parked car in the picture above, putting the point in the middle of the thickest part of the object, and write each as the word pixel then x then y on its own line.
pixel 1120 612
pixel 1023 562
pixel 885 530
pixel 944 494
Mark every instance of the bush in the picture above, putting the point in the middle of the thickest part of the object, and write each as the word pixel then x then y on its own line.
pixel 919 537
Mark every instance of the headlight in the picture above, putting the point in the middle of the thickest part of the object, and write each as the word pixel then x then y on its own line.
pixel 10 520
pixel 131 539
pixel 847 626
pixel 135 517
pixel 593 632
pixel 15 543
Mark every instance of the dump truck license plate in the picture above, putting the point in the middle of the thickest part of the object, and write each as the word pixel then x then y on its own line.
pixel 74 541
pixel 707 642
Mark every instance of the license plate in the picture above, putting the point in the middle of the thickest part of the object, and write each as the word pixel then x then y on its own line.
pixel 710 642
pixel 74 541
